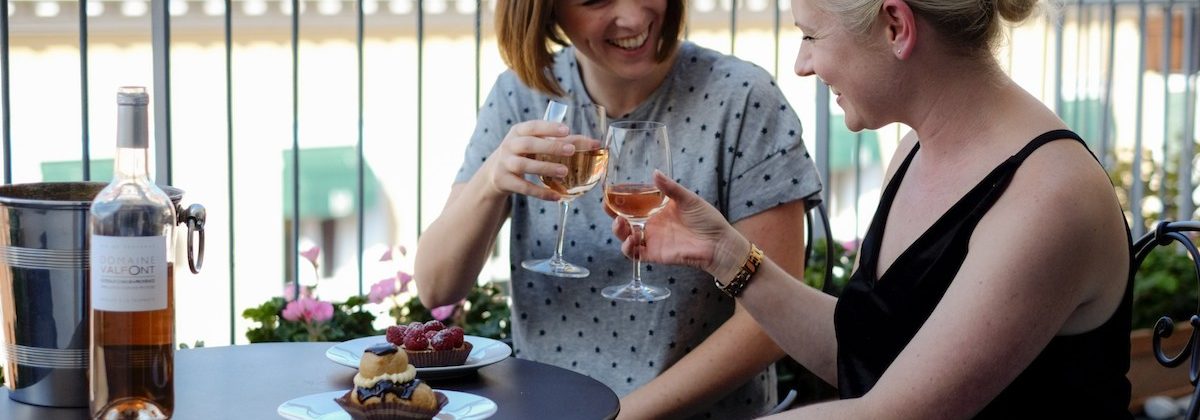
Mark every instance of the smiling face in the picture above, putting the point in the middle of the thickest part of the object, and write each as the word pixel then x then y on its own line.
pixel 855 67
pixel 615 38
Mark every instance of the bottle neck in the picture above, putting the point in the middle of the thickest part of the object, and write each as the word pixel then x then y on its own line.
pixel 132 163
pixel 133 142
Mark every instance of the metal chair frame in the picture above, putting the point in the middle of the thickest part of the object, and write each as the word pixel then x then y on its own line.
pixel 1164 233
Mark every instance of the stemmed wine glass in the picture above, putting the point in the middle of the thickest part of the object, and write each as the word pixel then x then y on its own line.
pixel 639 148
pixel 584 170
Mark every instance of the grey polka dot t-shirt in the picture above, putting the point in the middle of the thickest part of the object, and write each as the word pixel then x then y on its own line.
pixel 735 141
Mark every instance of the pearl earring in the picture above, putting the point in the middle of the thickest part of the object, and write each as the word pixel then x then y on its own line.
pixel 898 52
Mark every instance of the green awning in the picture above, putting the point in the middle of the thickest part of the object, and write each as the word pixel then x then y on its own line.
pixel 72 170
pixel 842 143
pixel 1086 117
pixel 328 183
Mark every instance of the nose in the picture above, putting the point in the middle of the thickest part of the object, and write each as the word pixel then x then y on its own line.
pixel 630 14
pixel 803 61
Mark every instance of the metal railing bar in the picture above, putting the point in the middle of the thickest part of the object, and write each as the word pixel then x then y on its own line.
pixel 230 196
pixel 1080 96
pixel 775 37
pixel 5 101
pixel 1187 207
pixel 86 156
pixel 1105 136
pixel 420 109
pixel 1083 84
pixel 360 23
pixel 293 252
pixel 478 51
pixel 1166 111
pixel 1136 191
pixel 822 137
pixel 858 140
pixel 160 22
pixel 1059 103
pixel 1046 37
pixel 732 27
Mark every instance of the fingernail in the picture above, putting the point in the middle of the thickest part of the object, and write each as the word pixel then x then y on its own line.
pixel 561 171
pixel 563 129
pixel 568 149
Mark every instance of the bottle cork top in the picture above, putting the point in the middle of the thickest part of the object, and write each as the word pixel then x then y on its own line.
pixel 132 95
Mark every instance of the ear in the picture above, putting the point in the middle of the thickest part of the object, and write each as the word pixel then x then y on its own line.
pixel 900 26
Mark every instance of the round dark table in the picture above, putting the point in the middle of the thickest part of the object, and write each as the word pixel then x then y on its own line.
pixel 251 381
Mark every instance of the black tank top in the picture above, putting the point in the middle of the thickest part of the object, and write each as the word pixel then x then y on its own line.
pixel 1082 375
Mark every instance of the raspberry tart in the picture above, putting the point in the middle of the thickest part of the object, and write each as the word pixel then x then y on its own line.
pixel 430 344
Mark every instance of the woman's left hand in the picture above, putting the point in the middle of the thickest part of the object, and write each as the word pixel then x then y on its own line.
pixel 688 231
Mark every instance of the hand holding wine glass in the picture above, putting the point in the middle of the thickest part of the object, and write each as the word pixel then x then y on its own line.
pixel 640 149
pixel 688 231
pixel 585 167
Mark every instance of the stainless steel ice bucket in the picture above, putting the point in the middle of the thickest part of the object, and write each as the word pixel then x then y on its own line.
pixel 44 289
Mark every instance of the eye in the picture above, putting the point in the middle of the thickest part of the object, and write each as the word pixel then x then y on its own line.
pixel 807 38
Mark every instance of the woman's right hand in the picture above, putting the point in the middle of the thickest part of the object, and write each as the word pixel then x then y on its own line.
pixel 688 231
pixel 516 156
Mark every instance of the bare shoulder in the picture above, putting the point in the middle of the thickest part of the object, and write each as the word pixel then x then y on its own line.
pixel 1061 217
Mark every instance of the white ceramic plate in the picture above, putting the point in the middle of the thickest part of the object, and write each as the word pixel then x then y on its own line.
pixel 461 406
pixel 484 351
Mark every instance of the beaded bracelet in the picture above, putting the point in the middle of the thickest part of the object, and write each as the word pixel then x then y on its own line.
pixel 739 282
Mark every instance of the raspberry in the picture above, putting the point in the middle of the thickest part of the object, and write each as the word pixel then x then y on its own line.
pixel 416 342
pixel 429 334
pixel 442 341
pixel 416 326
pixel 434 325
pixel 457 334
pixel 395 334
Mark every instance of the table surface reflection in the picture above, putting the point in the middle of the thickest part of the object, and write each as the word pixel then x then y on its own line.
pixel 251 381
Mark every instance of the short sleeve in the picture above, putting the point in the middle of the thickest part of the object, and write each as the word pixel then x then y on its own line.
pixel 770 165
pixel 496 116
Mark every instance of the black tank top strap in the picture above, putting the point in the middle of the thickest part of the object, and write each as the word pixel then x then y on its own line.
pixel 1046 137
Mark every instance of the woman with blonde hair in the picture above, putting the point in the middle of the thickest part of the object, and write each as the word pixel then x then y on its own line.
pixel 734 138
pixel 994 280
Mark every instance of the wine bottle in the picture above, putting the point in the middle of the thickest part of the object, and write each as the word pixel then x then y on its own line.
pixel 131 280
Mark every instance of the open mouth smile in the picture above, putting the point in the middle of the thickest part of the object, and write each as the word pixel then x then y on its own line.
pixel 631 43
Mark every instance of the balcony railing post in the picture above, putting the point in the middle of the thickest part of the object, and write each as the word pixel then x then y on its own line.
pixel 160 18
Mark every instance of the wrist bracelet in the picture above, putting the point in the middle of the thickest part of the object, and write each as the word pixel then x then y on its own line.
pixel 739 282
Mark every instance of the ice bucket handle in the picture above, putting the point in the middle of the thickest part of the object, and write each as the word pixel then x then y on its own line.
pixel 194 217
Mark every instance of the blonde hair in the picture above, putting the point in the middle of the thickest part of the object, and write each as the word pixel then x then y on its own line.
pixel 526 33
pixel 970 24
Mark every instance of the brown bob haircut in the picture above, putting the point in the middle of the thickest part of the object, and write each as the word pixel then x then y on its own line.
pixel 526 30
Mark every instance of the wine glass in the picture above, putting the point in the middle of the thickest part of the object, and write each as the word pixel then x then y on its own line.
pixel 639 148
pixel 584 170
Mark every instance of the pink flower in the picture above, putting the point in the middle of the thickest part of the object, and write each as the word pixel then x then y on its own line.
pixel 382 290
pixel 308 310
pixel 405 279
pixel 442 312
pixel 311 254
pixel 289 291
pixel 850 245
pixel 387 255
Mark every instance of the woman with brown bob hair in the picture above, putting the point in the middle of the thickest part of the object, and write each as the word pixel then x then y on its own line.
pixel 734 138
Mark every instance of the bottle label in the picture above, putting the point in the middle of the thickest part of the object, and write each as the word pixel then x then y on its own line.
pixel 129 273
